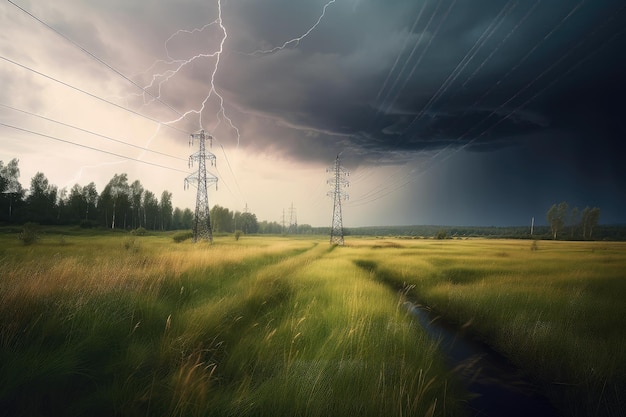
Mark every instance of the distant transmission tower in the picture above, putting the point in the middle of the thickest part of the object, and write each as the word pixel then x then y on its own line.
pixel 202 219
pixel 293 221
pixel 338 180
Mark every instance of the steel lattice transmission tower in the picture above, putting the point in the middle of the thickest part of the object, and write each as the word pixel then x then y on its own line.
pixel 293 221
pixel 202 219
pixel 339 181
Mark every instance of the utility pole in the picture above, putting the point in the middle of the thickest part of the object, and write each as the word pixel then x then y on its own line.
pixel 283 221
pixel 293 221
pixel 338 181
pixel 202 219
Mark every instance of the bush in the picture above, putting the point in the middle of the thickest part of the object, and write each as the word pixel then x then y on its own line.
pixel 28 236
pixel 238 234
pixel 182 236
pixel 442 234
pixel 140 231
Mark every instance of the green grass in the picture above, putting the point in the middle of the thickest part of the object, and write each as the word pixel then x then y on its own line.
pixel 114 324
pixel 557 311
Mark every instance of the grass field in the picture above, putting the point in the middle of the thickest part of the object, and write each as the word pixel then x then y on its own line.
pixel 125 325
pixel 121 325
pixel 556 309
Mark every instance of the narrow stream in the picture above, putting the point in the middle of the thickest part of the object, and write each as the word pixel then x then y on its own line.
pixel 497 387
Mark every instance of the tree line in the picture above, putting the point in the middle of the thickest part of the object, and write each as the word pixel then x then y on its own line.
pixel 121 205
pixel 572 224
pixel 225 220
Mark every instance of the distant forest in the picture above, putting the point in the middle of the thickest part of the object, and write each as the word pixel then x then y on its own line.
pixel 121 205
pixel 601 232
pixel 128 205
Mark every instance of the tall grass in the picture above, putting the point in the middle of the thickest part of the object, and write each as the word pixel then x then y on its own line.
pixel 342 347
pixel 557 310
pixel 129 325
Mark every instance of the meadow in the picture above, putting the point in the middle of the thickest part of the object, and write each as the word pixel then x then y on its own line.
pixel 123 325
pixel 114 324
pixel 555 309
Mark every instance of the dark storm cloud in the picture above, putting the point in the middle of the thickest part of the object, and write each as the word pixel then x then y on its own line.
pixel 339 79
pixel 533 89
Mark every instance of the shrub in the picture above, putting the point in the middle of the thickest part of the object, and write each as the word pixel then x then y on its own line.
pixel 442 234
pixel 140 231
pixel 238 234
pixel 182 236
pixel 28 236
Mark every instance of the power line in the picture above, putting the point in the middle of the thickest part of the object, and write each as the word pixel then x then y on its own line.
pixel 96 58
pixel 89 132
pixel 419 60
pixel 41 74
pixel 119 73
pixel 469 56
pixel 554 81
pixel 502 41
pixel 526 56
pixel 230 168
pixel 404 45
pixel 377 194
pixel 107 101
pixel 386 105
pixel 537 78
pixel 90 147
pixel 380 193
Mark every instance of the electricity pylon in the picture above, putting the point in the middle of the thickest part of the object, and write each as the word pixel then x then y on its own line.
pixel 339 181
pixel 293 221
pixel 202 219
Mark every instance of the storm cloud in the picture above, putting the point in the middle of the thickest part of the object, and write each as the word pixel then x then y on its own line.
pixel 527 91
pixel 419 76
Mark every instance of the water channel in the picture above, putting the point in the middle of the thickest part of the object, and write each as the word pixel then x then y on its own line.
pixel 497 387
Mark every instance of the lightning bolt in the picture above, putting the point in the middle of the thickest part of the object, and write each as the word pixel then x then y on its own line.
pixel 164 77
pixel 295 41
pixel 176 65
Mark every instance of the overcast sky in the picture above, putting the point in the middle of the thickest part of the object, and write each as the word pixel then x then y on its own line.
pixel 455 112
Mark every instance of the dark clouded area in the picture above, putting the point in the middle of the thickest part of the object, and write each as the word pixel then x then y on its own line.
pixel 415 76
pixel 492 110
pixel 537 86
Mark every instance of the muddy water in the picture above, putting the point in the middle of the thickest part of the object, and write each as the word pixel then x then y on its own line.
pixel 497 387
